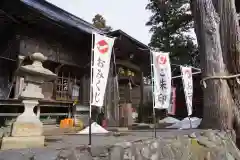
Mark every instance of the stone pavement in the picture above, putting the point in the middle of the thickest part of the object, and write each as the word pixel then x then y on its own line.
pixel 99 140
pixel 170 144
pixel 56 144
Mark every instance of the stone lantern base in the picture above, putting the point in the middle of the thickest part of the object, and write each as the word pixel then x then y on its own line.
pixel 22 142
pixel 26 131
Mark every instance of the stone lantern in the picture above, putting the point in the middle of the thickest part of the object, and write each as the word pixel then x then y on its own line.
pixel 27 129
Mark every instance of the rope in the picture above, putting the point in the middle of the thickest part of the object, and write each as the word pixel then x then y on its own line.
pixel 219 77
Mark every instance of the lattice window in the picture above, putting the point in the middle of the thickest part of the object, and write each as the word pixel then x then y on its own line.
pixel 62 88
pixel 66 89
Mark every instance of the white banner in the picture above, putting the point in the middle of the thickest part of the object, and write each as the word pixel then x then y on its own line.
pixel 101 62
pixel 188 87
pixel 162 79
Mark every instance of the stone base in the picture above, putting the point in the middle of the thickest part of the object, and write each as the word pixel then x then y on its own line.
pixel 22 142
pixel 27 129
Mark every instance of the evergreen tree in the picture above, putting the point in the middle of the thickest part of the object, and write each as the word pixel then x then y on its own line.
pixel 170 23
pixel 100 23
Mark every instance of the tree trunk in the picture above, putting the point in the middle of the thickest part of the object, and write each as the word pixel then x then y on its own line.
pixel 218 101
pixel 229 33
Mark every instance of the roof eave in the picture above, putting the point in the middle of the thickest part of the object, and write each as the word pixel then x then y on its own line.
pixel 143 46
pixel 59 15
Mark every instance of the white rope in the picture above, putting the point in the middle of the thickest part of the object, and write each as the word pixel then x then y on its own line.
pixel 219 77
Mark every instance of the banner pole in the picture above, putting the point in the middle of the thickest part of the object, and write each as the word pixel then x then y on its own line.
pixel 153 95
pixel 90 96
pixel 190 122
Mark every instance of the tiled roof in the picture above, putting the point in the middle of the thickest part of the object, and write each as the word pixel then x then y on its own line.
pixel 59 15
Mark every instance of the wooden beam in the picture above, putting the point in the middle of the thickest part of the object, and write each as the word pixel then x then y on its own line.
pixel 128 64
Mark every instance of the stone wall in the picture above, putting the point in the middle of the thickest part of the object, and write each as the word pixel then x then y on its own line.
pixel 208 145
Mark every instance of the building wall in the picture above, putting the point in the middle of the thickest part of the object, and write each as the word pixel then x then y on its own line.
pixel 54 50
pixel 75 59
pixel 65 58
pixel 5 78
pixel 9 45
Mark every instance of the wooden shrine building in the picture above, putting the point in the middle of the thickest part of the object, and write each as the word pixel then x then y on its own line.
pixel 29 26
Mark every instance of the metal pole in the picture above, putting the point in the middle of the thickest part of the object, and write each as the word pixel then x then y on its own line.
pixel 190 122
pixel 153 95
pixel 198 69
pixel 181 75
pixel 90 96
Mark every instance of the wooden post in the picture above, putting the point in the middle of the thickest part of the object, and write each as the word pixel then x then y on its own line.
pixel 140 109
pixel 19 80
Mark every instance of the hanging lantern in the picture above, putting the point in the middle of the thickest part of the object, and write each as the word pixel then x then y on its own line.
pixel 121 71
pixel 129 73
pixel 133 74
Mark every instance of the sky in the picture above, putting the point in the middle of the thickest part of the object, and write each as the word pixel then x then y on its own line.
pixel 127 15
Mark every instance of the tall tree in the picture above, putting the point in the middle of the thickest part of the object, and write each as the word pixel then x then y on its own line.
pixel 217 30
pixel 100 23
pixel 170 23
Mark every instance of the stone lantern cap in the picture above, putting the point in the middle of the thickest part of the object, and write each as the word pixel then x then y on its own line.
pixel 37 69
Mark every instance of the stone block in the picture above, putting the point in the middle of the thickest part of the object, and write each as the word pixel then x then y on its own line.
pixel 21 129
pixel 22 142
pixel 117 153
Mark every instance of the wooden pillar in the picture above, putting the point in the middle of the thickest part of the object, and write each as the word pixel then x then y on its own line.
pixel 140 109
pixel 109 98
pixel 128 114
pixel 19 80
pixel 85 89
pixel 110 106
pixel 116 100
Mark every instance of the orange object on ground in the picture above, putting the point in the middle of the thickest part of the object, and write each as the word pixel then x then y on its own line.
pixel 61 124
pixel 70 122
pixel 66 123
